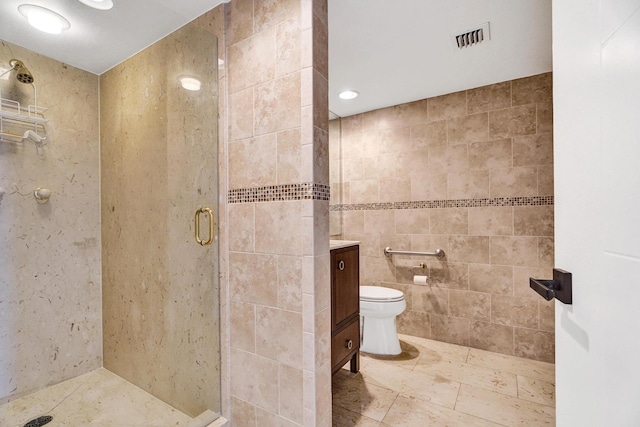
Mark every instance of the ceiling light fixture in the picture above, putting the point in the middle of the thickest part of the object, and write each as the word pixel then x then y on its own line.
pixel 44 19
pixel 98 4
pixel 348 94
pixel 190 83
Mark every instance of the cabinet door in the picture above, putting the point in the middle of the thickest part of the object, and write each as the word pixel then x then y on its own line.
pixel 345 285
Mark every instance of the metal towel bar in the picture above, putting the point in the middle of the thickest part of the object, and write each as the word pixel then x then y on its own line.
pixel 439 253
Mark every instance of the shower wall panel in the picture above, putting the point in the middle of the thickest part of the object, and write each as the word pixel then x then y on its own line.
pixel 159 165
pixel 50 298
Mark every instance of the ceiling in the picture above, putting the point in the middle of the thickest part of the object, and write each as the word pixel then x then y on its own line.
pixel 391 51
pixel 98 40
pixel 396 51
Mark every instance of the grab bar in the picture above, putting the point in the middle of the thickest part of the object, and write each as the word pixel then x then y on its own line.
pixel 439 253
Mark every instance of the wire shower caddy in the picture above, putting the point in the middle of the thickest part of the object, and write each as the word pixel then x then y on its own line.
pixel 18 123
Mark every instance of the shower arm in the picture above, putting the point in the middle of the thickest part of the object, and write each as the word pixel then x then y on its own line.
pixel 35 101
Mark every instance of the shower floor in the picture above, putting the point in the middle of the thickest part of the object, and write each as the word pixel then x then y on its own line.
pixel 98 398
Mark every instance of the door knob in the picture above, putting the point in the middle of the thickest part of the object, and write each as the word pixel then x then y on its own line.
pixel 560 287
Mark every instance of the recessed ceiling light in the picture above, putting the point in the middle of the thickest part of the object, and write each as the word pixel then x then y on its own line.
pixel 190 83
pixel 98 4
pixel 348 94
pixel 44 19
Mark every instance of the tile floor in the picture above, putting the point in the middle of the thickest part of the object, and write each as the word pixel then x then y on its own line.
pixel 439 384
pixel 98 399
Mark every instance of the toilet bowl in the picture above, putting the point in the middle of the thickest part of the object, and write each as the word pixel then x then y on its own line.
pixel 379 307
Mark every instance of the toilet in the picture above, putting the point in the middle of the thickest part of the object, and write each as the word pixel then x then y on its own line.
pixel 379 307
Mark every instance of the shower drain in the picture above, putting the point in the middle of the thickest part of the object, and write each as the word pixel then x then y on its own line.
pixel 40 421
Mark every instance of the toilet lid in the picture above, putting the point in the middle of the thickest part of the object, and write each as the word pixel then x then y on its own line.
pixel 380 294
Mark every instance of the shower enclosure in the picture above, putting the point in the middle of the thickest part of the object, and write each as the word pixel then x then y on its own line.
pixel 158 165
pixel 120 268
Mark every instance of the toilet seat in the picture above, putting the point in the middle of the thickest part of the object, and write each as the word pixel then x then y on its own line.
pixel 380 294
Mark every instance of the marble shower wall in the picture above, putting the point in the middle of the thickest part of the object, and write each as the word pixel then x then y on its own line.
pixel 278 219
pixel 50 296
pixel 471 173
pixel 159 165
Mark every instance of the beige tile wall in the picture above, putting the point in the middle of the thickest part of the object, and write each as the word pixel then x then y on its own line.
pixel 278 251
pixel 490 142
pixel 50 298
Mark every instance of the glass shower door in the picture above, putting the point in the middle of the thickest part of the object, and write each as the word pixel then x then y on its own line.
pixel 159 167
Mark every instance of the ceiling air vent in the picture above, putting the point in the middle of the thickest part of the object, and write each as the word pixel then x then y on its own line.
pixel 471 37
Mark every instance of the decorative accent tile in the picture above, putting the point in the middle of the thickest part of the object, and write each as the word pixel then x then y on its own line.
pixel 271 193
pixel 453 203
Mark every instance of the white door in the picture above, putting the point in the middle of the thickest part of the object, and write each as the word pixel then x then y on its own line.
pixel 596 55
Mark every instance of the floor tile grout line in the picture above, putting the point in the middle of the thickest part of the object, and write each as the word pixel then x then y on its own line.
pixel 534 401
pixel 457 397
pixel 387 413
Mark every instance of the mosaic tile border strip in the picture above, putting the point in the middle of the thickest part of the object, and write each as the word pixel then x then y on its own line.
pixel 275 193
pixel 453 203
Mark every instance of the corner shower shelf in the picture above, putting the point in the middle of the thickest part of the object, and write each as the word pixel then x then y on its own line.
pixel 16 121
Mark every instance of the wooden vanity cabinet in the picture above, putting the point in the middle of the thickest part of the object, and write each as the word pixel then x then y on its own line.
pixel 345 308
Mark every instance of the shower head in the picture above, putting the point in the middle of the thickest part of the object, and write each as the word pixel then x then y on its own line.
pixel 23 75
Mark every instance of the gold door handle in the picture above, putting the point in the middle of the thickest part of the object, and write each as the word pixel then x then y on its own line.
pixel 197 226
